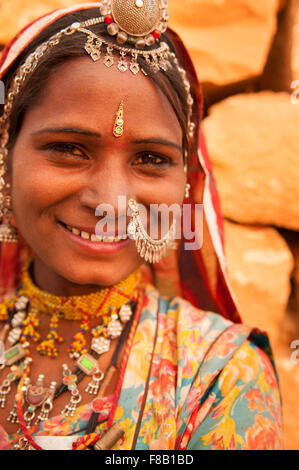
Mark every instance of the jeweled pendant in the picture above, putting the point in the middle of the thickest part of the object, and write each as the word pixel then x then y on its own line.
pixel 125 313
pixel 14 335
pixel 114 328
pixel 100 405
pixel 21 303
pixel 88 364
pixel 18 319
pixel 94 384
pixel 5 388
pixel 70 408
pixel 118 127
pixel 35 397
pixel 70 380
pixel 47 405
pixel 14 354
pixel 134 67
pixel 108 60
pixel 100 345
pixel 13 414
pixel 93 48
pixel 122 65
pixel 36 394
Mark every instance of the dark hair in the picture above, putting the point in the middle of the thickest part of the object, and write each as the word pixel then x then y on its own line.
pixel 169 82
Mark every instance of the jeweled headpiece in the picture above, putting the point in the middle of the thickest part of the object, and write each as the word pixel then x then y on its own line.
pixel 138 23
pixel 134 28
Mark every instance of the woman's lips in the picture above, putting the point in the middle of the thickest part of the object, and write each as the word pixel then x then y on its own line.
pixel 91 241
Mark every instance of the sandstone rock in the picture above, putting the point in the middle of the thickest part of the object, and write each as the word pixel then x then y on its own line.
pixel 296 278
pixel 228 40
pixel 253 141
pixel 292 238
pixel 259 267
pixel 289 385
pixel 282 68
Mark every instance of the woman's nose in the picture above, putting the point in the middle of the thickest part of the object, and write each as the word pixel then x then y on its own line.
pixel 106 187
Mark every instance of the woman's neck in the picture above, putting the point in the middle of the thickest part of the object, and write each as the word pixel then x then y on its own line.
pixel 50 281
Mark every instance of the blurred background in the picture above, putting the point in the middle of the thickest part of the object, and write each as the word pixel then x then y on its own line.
pixel 246 53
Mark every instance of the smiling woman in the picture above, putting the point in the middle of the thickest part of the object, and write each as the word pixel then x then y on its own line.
pixel 73 162
pixel 140 343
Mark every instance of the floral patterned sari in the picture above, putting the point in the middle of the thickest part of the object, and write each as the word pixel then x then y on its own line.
pixel 193 380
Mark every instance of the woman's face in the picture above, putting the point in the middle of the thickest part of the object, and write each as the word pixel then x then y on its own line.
pixel 66 161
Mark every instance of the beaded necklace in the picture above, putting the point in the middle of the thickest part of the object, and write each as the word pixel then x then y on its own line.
pixel 108 305
pixel 92 437
pixel 21 313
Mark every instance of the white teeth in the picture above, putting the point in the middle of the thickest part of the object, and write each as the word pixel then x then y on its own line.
pixel 85 235
pixel 96 238
pixel 108 239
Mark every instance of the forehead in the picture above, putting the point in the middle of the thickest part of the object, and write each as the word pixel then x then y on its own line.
pixel 88 93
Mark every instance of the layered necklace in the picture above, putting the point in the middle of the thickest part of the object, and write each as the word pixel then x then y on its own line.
pixel 117 311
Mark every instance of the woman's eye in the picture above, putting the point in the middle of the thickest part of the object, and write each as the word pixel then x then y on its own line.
pixel 151 160
pixel 66 149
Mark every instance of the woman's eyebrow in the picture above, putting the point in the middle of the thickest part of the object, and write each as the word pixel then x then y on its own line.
pixel 87 132
pixel 68 130
pixel 158 141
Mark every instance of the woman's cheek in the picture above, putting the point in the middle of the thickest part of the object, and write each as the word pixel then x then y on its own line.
pixel 165 190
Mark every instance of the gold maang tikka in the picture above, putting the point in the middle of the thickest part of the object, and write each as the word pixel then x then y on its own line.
pixel 118 127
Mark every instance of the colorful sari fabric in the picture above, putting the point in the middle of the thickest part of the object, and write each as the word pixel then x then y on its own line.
pixel 193 380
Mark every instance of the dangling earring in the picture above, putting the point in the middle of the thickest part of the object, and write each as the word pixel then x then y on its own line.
pixel 148 248
pixel 8 233
pixel 188 186
pixel 187 190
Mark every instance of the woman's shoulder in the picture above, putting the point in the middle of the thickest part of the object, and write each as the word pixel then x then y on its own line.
pixel 208 340
pixel 188 319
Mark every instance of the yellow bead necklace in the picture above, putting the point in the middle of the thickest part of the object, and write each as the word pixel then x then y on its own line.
pixel 95 304
pixel 106 305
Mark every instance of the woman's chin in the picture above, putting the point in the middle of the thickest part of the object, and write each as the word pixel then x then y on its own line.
pixel 79 278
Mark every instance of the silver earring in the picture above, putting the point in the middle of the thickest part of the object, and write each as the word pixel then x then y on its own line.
pixel 8 233
pixel 187 190
pixel 188 186
pixel 148 248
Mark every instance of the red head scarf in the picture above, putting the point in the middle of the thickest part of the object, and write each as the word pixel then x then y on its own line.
pixel 199 276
